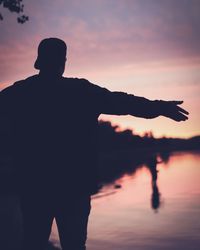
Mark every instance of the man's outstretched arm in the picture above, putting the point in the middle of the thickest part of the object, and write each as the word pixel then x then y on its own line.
pixel 120 103
pixel 145 108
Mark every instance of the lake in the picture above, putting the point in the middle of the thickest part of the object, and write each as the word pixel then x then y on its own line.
pixel 132 213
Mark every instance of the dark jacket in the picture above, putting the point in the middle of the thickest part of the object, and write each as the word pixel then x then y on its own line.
pixel 54 126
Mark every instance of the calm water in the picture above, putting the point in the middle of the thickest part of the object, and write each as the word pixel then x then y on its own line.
pixel 127 218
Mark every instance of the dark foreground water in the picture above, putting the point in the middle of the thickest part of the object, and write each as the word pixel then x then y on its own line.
pixel 140 216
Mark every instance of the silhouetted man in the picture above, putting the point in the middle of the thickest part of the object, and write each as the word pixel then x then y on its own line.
pixel 54 125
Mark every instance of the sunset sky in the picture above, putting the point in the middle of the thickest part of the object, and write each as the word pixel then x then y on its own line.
pixel 147 48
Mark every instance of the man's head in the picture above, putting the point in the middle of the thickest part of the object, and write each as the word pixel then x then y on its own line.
pixel 51 56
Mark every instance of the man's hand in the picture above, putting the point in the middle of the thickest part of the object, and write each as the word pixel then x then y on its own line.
pixel 172 110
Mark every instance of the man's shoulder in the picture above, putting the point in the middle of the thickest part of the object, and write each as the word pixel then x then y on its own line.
pixel 26 81
pixel 75 80
pixel 19 84
pixel 80 83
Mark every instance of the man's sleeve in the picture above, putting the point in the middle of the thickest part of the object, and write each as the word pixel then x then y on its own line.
pixel 120 103
pixel 5 127
pixel 8 106
pixel 7 100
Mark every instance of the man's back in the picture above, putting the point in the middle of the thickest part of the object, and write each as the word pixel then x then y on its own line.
pixel 54 123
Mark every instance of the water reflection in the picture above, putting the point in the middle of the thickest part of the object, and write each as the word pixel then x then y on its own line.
pixel 121 217
pixel 165 155
pixel 155 198
pixel 131 166
pixel 151 164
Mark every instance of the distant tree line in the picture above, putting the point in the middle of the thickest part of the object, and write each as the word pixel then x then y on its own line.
pixel 110 139
pixel 124 152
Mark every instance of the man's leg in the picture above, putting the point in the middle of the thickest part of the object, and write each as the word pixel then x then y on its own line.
pixel 72 219
pixel 37 220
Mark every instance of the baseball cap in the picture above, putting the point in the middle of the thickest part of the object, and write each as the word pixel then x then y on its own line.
pixel 51 52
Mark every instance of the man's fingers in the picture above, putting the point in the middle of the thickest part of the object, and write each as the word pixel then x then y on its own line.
pixel 180 117
pixel 177 116
pixel 184 117
pixel 183 111
pixel 174 111
pixel 176 102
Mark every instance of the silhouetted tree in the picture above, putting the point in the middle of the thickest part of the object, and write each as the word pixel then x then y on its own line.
pixel 16 6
